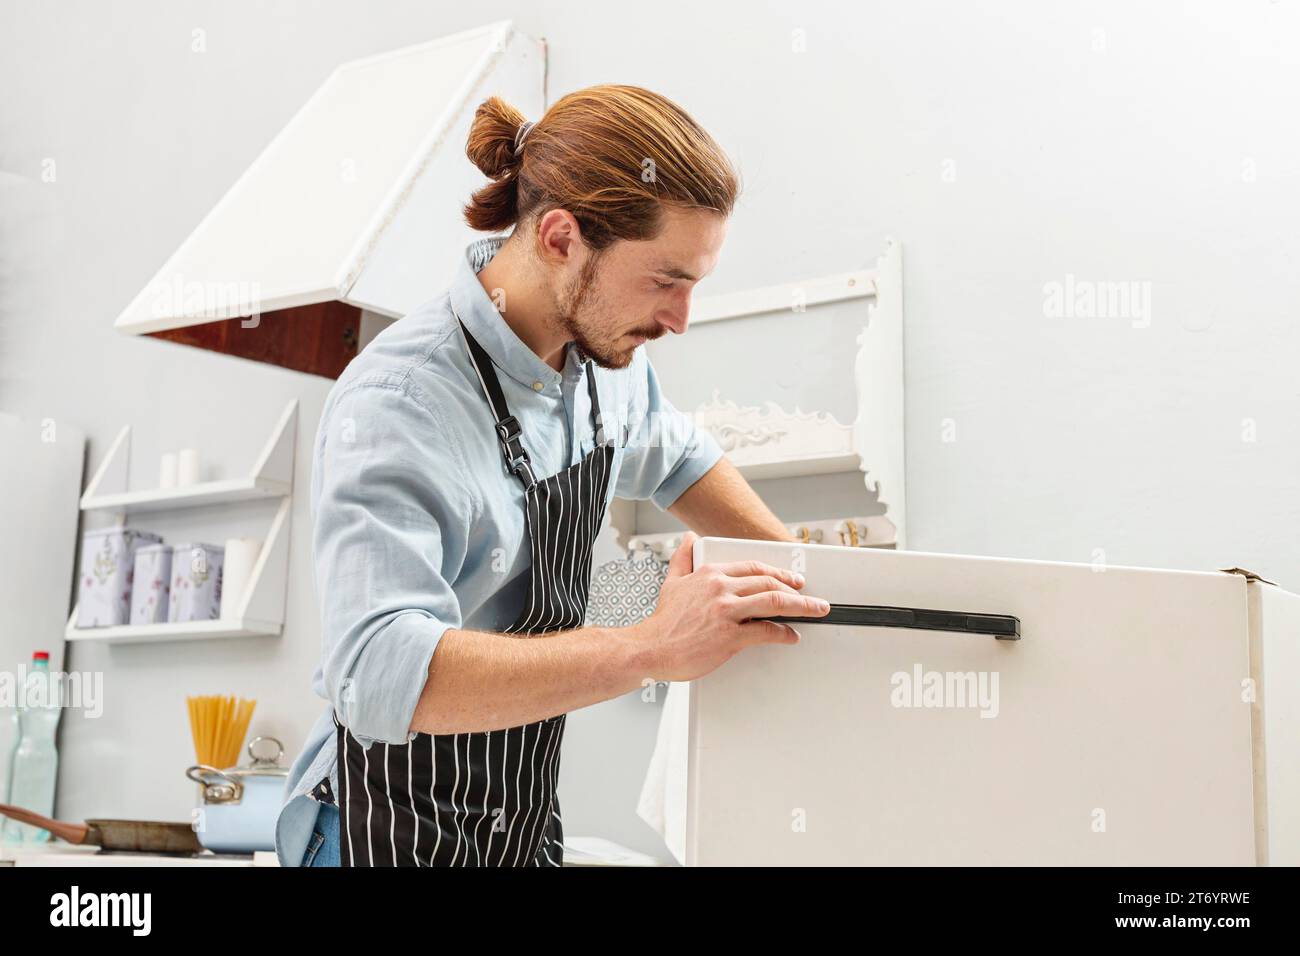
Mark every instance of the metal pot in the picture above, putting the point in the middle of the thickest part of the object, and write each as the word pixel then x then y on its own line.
pixel 240 805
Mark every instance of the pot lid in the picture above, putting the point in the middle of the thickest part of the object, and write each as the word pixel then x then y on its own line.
pixel 263 762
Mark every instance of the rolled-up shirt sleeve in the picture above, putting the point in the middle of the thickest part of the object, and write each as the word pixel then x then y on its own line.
pixel 666 453
pixel 387 489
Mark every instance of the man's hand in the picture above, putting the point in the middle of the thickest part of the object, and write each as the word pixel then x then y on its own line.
pixel 705 616
pixel 481 680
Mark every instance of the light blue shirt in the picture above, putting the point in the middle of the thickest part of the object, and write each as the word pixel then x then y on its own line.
pixel 418 525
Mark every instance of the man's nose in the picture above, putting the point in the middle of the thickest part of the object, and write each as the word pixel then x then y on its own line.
pixel 677 318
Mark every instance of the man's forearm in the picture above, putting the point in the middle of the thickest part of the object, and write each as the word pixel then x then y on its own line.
pixel 480 680
pixel 723 504
pixel 487 681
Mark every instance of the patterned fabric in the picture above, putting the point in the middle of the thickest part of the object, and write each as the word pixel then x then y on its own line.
pixel 625 591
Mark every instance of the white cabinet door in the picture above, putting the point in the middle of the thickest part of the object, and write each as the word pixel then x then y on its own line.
pixel 1113 732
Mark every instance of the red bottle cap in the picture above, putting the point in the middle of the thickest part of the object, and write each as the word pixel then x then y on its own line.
pixel 41 656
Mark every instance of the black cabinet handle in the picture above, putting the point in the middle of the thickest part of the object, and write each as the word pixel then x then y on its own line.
pixel 1002 626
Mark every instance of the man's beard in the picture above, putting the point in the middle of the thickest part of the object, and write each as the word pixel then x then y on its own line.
pixel 592 338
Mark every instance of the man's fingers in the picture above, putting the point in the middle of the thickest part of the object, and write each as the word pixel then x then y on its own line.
pixel 750 569
pixel 780 604
pixel 683 560
pixel 769 632
pixel 743 587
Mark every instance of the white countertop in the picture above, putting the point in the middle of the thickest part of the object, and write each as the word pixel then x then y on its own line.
pixel 578 851
pixel 66 854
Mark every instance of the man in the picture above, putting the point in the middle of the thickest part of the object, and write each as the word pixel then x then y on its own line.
pixel 464 463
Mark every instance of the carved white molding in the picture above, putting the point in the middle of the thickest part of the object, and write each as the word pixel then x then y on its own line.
pixel 768 433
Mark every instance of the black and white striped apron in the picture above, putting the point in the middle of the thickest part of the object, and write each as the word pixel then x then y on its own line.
pixel 487 799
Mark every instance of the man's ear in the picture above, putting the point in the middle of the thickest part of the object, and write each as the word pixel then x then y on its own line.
pixel 559 237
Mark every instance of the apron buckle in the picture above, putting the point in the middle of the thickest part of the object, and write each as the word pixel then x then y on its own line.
pixel 517 461
pixel 522 470
pixel 508 432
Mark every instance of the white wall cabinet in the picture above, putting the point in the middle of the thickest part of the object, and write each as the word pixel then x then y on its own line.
pixel 358 198
pixel 1145 717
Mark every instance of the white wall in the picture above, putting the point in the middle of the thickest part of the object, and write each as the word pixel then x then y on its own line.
pixel 1007 147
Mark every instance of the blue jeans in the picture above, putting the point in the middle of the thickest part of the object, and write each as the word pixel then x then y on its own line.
pixel 323 847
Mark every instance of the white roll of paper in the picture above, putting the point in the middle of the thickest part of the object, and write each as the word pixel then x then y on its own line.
pixel 241 555
pixel 187 468
pixel 167 470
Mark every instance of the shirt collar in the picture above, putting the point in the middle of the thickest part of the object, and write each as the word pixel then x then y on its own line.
pixel 475 308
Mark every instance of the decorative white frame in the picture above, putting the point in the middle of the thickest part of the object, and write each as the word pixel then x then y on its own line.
pixel 769 441
pixel 262 607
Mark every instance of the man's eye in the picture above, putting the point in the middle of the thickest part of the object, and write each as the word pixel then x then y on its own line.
pixel 663 285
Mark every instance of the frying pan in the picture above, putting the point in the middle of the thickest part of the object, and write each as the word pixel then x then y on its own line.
pixel 137 835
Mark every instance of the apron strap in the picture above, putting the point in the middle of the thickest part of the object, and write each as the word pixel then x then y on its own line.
pixel 597 425
pixel 507 426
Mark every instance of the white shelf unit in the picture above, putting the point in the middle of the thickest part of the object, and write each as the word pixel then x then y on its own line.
pixel 261 610
pixel 799 466
pixel 769 441
pixel 182 631
pixel 193 496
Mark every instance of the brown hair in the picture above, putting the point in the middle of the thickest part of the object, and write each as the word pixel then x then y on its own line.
pixel 612 156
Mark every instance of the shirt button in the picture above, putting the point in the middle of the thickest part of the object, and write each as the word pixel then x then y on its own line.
pixel 538 386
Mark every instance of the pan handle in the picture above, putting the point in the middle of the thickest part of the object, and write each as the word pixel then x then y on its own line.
pixel 72 832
